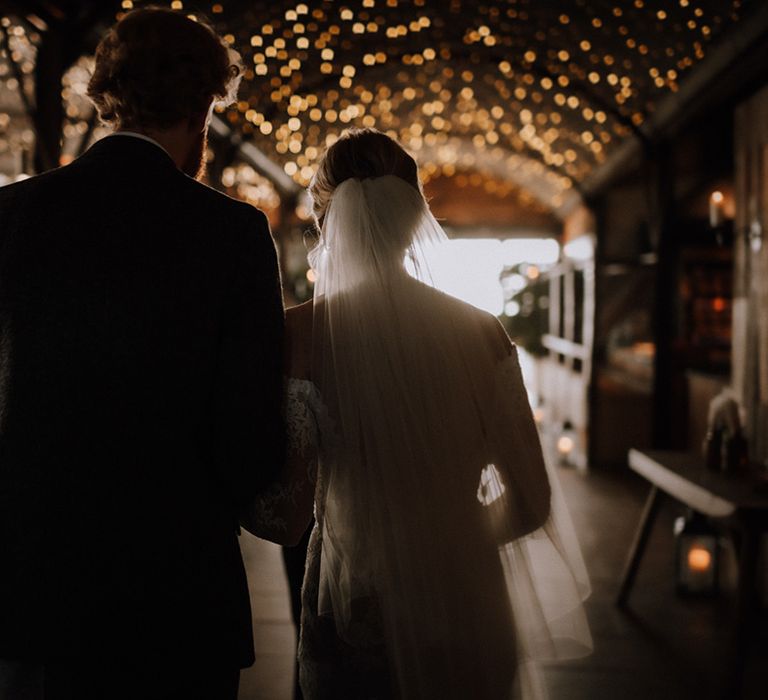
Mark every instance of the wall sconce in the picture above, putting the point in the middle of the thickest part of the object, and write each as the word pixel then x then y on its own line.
pixel 698 557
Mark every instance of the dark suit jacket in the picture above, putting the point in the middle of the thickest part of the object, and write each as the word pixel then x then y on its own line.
pixel 141 329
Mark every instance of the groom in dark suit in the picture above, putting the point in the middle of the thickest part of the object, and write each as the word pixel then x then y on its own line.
pixel 141 327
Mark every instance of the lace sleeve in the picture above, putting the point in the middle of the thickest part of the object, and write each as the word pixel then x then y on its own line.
pixel 282 512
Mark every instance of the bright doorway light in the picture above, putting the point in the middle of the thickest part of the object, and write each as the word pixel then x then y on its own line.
pixel 581 248
pixel 470 268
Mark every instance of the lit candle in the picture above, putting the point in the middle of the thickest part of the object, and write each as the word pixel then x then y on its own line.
pixel 716 213
pixel 699 559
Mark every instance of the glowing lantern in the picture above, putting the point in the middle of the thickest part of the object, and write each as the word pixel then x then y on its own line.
pixel 699 559
pixel 697 555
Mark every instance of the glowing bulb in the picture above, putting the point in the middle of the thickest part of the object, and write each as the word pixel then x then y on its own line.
pixel 311 276
pixel 564 444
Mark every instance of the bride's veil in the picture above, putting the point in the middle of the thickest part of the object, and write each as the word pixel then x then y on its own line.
pixel 444 538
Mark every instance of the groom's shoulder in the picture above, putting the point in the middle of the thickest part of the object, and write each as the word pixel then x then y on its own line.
pixel 239 222
pixel 214 201
pixel 34 198
pixel 21 189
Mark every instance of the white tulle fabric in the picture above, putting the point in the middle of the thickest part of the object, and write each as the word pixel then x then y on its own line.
pixel 435 505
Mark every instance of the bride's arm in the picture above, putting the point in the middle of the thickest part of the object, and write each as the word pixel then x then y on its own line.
pixel 283 511
pixel 515 451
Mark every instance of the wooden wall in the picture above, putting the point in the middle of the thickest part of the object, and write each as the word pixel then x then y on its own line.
pixel 750 309
pixel 468 203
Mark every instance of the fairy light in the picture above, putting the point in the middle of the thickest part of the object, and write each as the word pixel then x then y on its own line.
pixel 430 73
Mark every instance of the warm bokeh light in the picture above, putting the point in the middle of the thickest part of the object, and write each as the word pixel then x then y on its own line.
pixel 699 559
pixel 532 272
pixel 523 94
pixel 565 444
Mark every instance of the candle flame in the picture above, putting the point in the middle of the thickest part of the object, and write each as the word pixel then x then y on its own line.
pixel 699 559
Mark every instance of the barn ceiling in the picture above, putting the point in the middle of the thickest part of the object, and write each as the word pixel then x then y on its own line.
pixel 532 95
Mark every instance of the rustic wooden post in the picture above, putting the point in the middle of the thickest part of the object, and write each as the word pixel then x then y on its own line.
pixel 48 116
pixel 660 203
pixel 750 294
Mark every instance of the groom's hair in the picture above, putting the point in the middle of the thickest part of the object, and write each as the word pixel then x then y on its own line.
pixel 156 68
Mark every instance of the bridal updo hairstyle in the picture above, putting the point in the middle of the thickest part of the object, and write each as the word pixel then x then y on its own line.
pixel 360 154
pixel 156 68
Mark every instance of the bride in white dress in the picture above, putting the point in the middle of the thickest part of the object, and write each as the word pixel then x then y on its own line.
pixel 442 563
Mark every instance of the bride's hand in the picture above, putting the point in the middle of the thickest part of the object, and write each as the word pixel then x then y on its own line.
pixel 282 512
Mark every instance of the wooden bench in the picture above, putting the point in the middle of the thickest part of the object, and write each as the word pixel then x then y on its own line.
pixel 739 501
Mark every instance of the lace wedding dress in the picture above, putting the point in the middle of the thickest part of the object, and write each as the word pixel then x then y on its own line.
pixel 329 667
pixel 443 563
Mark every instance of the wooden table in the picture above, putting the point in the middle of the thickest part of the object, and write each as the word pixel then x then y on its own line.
pixel 740 501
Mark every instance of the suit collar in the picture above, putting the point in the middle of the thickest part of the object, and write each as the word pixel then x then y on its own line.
pixel 133 148
pixel 137 135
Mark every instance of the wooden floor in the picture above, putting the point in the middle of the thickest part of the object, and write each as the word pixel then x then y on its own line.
pixel 665 648
pixel 271 677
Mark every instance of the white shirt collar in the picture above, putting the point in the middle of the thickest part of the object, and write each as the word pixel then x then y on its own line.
pixel 137 135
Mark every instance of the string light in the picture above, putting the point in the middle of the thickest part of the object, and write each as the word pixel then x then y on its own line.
pixel 367 65
pixel 527 96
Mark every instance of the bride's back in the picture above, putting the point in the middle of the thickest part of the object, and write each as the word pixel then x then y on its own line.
pixel 408 382
pixel 430 470
pixel 427 353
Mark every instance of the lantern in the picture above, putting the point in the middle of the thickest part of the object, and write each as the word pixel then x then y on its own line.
pixel 697 555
